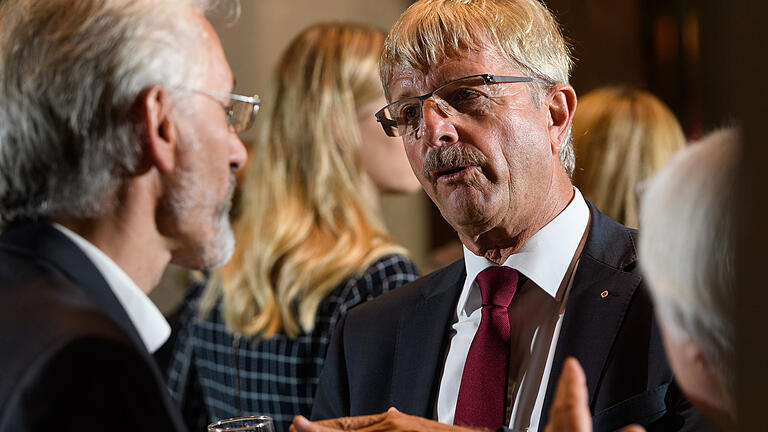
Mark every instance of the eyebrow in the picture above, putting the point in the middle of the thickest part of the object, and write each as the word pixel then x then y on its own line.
pixel 440 78
pixel 407 91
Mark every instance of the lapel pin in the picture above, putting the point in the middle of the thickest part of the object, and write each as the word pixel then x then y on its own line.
pixel 604 294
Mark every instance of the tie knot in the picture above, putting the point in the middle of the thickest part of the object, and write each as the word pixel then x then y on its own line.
pixel 497 285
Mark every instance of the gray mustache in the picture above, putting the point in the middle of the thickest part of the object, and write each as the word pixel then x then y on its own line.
pixel 451 157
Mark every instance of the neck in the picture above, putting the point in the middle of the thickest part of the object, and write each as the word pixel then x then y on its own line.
pixel 718 409
pixel 499 243
pixel 128 235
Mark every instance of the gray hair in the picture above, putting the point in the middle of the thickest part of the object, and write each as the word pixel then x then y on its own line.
pixel 686 247
pixel 524 32
pixel 71 74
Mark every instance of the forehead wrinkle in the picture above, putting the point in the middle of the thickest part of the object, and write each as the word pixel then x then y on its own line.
pixel 483 62
pixel 407 81
pixel 419 83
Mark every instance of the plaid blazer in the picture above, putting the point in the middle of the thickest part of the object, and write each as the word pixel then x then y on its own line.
pixel 214 375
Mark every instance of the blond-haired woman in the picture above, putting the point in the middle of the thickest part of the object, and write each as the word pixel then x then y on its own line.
pixel 621 137
pixel 311 242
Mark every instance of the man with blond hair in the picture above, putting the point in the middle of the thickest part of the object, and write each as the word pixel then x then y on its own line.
pixel 479 93
pixel 118 148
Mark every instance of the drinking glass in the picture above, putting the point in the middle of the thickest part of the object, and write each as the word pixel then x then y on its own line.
pixel 243 424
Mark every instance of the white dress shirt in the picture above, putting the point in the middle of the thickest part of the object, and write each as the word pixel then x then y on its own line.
pixel 150 323
pixel 536 314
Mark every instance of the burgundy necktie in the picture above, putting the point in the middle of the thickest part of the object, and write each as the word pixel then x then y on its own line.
pixel 484 381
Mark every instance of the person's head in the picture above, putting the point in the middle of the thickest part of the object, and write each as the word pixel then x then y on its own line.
pixel 686 252
pixel 97 94
pixel 490 153
pixel 309 210
pixel 621 137
pixel 327 86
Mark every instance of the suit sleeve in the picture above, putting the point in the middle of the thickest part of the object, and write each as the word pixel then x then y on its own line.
pixel 88 385
pixel 681 415
pixel 332 396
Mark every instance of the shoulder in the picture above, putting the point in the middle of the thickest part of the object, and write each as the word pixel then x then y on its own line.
pixel 56 343
pixel 382 276
pixel 389 270
pixel 436 284
pixel 85 368
pixel 610 242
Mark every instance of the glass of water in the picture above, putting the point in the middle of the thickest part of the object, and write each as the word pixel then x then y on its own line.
pixel 243 424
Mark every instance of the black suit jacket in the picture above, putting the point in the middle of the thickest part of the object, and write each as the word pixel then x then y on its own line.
pixel 71 359
pixel 390 351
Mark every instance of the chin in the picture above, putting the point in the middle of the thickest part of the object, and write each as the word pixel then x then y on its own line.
pixel 207 252
pixel 221 249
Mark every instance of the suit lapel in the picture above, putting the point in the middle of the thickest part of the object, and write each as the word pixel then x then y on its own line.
pixel 45 243
pixel 422 336
pixel 597 303
pixel 48 246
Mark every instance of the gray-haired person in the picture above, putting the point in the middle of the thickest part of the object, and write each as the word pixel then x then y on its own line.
pixel 687 254
pixel 117 151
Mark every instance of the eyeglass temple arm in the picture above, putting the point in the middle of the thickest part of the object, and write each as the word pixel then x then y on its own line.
pixel 512 79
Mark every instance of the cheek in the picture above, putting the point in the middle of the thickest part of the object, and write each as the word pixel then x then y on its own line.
pixel 416 158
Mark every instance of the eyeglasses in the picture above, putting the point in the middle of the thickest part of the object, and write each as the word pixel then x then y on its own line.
pixel 240 111
pixel 469 95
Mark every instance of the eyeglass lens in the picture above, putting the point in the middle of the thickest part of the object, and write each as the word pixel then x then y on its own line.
pixel 240 115
pixel 468 96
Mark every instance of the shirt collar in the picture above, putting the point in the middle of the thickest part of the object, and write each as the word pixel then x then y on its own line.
pixel 144 315
pixel 545 257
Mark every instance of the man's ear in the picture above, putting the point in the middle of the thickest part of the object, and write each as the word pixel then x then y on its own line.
pixel 161 136
pixel 695 357
pixel 562 106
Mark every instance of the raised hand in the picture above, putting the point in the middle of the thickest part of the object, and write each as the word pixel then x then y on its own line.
pixel 570 409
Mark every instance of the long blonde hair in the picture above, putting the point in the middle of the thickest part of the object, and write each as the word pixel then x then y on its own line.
pixel 309 216
pixel 622 137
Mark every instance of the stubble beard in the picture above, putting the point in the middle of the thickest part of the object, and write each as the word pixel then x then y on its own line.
pixel 187 200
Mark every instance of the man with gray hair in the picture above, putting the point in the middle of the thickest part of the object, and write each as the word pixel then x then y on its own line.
pixel 687 255
pixel 479 93
pixel 118 146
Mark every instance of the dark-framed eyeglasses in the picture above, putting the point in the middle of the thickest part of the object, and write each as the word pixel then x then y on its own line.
pixel 240 111
pixel 468 95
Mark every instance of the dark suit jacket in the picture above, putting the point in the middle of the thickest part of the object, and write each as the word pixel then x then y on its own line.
pixel 71 359
pixel 390 351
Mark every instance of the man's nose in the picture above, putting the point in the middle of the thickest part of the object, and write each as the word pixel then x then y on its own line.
pixel 437 123
pixel 238 155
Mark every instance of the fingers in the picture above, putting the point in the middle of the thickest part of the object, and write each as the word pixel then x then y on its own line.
pixel 633 428
pixel 359 422
pixel 570 409
pixel 572 385
pixel 301 424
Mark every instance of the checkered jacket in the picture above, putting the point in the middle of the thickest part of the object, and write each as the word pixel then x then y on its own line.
pixel 275 377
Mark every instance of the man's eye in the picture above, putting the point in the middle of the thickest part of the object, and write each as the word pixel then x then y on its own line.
pixel 408 113
pixel 462 96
